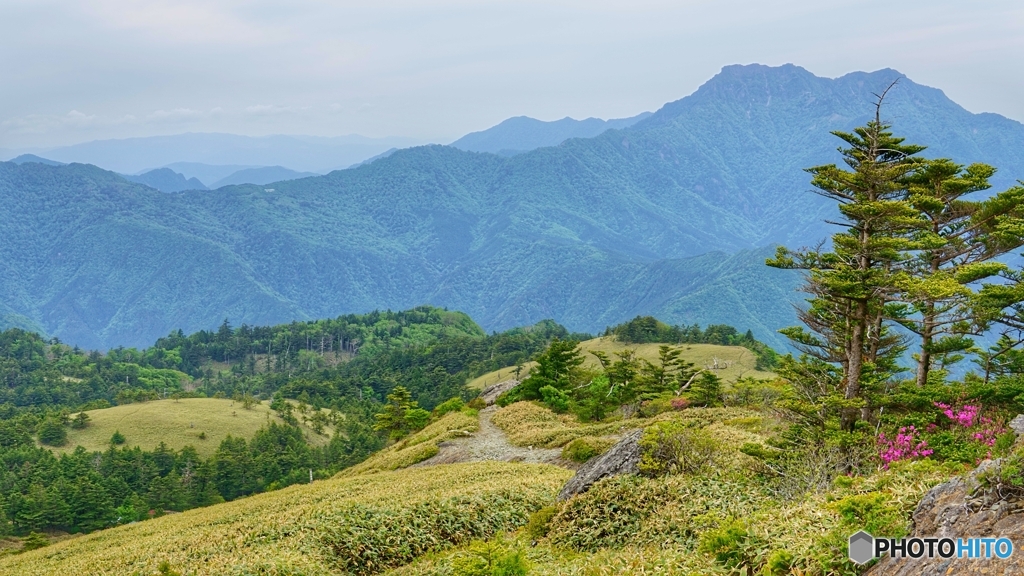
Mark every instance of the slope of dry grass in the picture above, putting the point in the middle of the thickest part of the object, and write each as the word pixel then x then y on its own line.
pixel 177 423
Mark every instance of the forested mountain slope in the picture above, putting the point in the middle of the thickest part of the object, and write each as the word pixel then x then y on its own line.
pixel 672 216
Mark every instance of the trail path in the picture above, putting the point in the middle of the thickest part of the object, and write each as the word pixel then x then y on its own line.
pixel 490 443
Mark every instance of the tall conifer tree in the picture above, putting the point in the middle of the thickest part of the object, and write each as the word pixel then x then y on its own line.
pixel 852 285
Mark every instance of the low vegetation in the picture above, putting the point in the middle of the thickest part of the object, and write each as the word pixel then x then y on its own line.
pixel 346 525
pixel 418 446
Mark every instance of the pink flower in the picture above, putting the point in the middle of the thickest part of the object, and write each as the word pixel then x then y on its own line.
pixel 965 416
pixel 904 446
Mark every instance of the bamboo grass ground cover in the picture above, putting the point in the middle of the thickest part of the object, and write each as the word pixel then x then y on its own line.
pixel 358 525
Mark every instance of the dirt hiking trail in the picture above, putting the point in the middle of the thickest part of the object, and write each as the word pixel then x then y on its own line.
pixel 490 443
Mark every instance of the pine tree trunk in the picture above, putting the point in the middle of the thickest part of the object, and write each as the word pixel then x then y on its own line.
pixel 855 356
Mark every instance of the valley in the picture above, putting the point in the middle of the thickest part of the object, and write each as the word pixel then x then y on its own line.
pixel 671 216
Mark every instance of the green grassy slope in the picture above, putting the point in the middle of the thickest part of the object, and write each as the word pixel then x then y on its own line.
pixel 178 423
pixel 734 361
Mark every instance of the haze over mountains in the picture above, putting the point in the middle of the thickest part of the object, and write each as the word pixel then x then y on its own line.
pixel 515 135
pixel 300 153
pixel 672 216
pixel 522 134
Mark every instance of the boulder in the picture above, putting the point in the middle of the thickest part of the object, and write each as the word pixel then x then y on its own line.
pixel 491 393
pixel 622 458
pixel 1017 424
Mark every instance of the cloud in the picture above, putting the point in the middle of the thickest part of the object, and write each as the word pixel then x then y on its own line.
pixel 176 114
pixel 269 110
pixel 80 121
pixel 427 68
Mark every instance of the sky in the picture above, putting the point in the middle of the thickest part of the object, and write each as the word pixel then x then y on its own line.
pixel 72 72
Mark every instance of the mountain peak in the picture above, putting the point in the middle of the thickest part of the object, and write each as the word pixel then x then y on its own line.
pixel 33 158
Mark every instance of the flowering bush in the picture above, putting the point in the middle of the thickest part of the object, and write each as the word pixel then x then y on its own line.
pixel 965 416
pixel 905 446
pixel 969 436
pixel 680 403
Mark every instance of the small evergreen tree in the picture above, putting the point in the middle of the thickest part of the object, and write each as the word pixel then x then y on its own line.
pixel 34 541
pixel 80 421
pixel 52 433
pixel 706 390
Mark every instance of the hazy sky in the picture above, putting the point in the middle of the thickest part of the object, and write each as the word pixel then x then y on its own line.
pixel 92 69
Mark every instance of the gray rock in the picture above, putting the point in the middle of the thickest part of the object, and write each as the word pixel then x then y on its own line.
pixel 619 459
pixel 961 508
pixel 1017 424
pixel 491 393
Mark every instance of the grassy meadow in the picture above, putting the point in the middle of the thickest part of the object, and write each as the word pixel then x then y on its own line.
pixel 177 423
pixel 733 361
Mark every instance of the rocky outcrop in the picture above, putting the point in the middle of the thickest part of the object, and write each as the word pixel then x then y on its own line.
pixel 1017 425
pixel 491 393
pixel 964 508
pixel 619 459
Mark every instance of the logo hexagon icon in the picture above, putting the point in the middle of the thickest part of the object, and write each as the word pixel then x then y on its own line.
pixel 862 546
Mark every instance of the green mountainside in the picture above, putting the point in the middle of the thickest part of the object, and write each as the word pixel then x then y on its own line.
pixel 673 216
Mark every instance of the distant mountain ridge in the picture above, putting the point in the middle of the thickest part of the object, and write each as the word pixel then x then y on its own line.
pixel 672 216
pixel 301 153
pixel 166 180
pixel 522 133
pixel 37 159
pixel 208 174
pixel 261 175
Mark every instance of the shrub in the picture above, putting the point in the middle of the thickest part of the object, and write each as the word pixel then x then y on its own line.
pixel 491 559
pixel 905 445
pixel 873 513
pixel 555 399
pixel 477 403
pixel 80 421
pixel 679 403
pixel 583 449
pixel 450 405
pixel 732 545
pixel 540 522
pixel 117 438
pixel 707 390
pixel 1005 479
pixel 779 563
pixel 34 541
pixel 750 391
pixel 52 433
pixel 417 418
pixel 676 448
